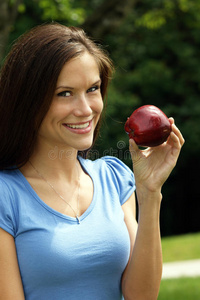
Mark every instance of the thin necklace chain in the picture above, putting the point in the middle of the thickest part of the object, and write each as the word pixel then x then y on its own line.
pixel 61 197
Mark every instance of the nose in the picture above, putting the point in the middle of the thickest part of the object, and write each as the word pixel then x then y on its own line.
pixel 82 107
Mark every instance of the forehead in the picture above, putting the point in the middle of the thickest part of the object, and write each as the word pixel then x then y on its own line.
pixel 82 68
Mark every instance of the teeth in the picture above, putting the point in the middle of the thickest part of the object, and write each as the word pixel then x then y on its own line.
pixel 79 126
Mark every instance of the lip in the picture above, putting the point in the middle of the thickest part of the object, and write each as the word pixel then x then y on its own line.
pixel 79 130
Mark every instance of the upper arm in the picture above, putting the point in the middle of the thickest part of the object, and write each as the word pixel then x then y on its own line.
pixel 129 208
pixel 10 279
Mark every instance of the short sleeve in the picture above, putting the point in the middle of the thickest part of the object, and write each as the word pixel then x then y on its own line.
pixel 123 177
pixel 6 209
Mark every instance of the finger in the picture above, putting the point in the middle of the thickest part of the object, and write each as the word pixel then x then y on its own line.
pixel 171 120
pixel 177 132
pixel 175 140
pixel 133 145
pixel 134 151
pixel 175 145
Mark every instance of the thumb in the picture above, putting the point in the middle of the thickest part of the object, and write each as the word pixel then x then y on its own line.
pixel 134 151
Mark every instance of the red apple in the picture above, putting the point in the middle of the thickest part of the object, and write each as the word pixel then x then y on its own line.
pixel 148 126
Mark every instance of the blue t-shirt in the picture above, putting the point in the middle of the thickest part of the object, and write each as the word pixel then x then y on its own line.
pixel 58 258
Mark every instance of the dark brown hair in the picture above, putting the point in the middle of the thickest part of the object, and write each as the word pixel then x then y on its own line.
pixel 28 81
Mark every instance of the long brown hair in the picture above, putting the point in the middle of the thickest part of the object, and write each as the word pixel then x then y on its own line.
pixel 28 81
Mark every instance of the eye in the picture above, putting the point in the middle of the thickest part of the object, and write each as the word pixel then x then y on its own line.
pixel 93 89
pixel 64 94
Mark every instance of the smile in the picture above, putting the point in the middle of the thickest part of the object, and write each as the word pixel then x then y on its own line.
pixel 80 126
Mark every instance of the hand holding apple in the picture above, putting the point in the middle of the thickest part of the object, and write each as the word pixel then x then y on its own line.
pixel 153 165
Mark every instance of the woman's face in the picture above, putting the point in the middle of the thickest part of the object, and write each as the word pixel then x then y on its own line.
pixel 76 106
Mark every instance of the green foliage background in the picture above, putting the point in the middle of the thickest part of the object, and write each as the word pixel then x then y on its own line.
pixel 156 52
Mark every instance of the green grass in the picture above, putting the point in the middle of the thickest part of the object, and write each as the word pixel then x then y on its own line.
pixel 180 289
pixel 182 247
pixel 177 248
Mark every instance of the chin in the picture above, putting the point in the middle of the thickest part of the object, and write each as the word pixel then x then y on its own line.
pixel 85 144
pixel 84 148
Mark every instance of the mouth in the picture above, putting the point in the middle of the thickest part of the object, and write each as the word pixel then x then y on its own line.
pixel 82 127
pixel 78 126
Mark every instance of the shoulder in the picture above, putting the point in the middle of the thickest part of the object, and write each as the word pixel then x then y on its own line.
pixel 4 182
pixel 105 161
pixel 8 178
pixel 7 203
pixel 109 164
pixel 8 187
pixel 11 185
pixel 116 165
pixel 112 172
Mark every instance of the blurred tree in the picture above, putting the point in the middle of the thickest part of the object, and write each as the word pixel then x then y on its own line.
pixel 34 12
pixel 59 10
pixel 107 17
pixel 8 14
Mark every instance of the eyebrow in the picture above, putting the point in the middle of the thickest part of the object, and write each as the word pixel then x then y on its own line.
pixel 71 88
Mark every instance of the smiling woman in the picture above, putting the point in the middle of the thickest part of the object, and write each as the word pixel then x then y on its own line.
pixel 67 224
pixel 76 106
pixel 31 72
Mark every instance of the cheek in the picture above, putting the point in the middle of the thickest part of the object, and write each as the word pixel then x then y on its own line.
pixel 57 112
pixel 99 105
pixel 99 109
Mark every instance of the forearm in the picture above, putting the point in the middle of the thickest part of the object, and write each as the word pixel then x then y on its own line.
pixel 142 277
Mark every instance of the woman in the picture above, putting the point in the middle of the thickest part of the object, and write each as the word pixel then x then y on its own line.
pixel 67 224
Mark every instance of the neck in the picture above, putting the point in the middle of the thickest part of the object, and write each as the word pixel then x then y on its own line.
pixel 54 163
pixel 75 210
